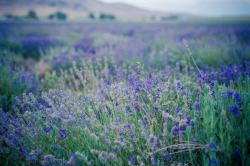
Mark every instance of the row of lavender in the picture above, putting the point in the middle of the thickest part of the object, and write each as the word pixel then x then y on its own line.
pixel 157 45
pixel 100 107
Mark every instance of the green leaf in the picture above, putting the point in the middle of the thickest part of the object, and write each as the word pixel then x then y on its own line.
pixel 40 114
pixel 53 132
pixel 59 151
pixel 29 118
pixel 46 140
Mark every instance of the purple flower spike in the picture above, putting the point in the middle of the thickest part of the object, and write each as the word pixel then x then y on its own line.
pixel 175 130
pixel 214 162
pixel 235 111
pixel 236 153
pixel 196 105
pixel 48 129
pixel 237 97
pixel 167 155
pixel 62 134
pixel 198 112
pixel 230 94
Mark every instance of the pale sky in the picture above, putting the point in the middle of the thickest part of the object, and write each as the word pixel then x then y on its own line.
pixel 203 7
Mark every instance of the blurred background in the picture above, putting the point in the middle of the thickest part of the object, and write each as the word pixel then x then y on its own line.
pixel 123 10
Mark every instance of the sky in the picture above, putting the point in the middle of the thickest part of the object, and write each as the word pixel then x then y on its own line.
pixel 200 7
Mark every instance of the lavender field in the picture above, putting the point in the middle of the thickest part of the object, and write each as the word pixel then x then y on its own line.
pixel 110 93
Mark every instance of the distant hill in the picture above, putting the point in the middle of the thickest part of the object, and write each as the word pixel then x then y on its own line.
pixel 78 9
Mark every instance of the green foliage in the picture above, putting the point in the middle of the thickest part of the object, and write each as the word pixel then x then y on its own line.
pixel 14 81
pixel 51 81
pixel 11 45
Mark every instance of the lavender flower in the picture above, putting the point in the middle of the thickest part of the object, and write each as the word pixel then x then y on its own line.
pixel 48 129
pixel 196 105
pixel 167 156
pixel 177 109
pixel 230 94
pixel 156 80
pixel 236 153
pixel 214 162
pixel 131 160
pixel 62 134
pixel 235 111
pixel 212 147
pixel 237 97
pixel 175 130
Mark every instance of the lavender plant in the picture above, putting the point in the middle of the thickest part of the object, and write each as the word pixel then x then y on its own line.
pixel 100 107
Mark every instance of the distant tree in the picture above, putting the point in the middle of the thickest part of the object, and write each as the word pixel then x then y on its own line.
pixel 170 18
pixel 52 16
pixel 107 16
pixel 61 15
pixel 9 16
pixel 32 15
pixel 102 16
pixel 173 17
pixel 91 16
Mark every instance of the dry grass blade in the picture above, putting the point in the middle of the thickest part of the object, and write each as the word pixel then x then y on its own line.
pixel 190 53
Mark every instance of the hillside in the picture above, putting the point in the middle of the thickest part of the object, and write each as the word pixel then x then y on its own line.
pixel 77 9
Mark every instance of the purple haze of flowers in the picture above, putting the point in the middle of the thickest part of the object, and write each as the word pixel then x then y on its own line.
pixel 85 45
pixel 62 134
pixel 196 105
